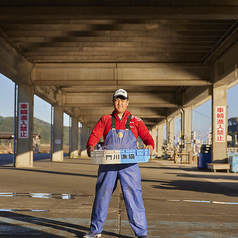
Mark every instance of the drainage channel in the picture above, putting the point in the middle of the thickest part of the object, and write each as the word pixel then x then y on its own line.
pixel 120 198
pixel 203 201
pixel 43 195
pixel 22 210
pixel 37 195
pixel 193 201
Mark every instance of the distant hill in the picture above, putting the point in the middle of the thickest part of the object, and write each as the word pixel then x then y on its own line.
pixel 6 124
pixel 42 127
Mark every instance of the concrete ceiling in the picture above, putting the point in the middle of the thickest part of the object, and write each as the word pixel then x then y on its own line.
pixel 77 53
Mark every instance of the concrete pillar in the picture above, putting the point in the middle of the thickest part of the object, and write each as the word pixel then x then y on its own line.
pixel 58 154
pixel 170 136
pixel 219 124
pixel 89 131
pixel 80 138
pixel 24 157
pixel 170 133
pixel 84 139
pixel 156 141
pixel 160 140
pixel 74 152
pixel 154 136
pixel 187 134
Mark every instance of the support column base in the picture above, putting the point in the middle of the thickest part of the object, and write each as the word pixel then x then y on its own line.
pixel 74 154
pixel 58 156
pixel 24 160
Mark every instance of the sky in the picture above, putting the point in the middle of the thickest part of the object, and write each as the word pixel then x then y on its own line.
pixel 42 109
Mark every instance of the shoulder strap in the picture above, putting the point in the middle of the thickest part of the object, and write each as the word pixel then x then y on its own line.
pixel 127 126
pixel 113 122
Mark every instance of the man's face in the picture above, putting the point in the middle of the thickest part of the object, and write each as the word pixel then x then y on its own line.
pixel 120 104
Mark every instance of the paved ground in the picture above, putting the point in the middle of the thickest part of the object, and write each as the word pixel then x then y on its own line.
pixel 54 199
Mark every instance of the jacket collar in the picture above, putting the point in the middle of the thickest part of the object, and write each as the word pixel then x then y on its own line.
pixel 125 115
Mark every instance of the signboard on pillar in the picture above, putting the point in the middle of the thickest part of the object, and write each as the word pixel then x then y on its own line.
pixel 23 120
pixel 220 121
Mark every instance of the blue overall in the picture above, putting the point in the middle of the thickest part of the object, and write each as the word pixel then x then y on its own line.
pixel 130 179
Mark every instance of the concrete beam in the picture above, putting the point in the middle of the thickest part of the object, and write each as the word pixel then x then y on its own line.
pixel 185 10
pixel 47 93
pixel 98 26
pixel 194 95
pixel 121 74
pixel 226 67
pixel 13 65
pixel 148 121
pixel 145 112
pixel 105 99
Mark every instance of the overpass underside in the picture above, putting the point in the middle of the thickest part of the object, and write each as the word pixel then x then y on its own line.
pixel 74 54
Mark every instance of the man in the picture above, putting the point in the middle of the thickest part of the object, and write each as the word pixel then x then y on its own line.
pixel 120 131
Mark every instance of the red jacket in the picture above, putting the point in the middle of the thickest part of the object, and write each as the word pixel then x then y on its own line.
pixel 104 125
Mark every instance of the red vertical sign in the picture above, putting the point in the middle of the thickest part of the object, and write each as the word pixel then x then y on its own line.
pixel 23 120
pixel 220 124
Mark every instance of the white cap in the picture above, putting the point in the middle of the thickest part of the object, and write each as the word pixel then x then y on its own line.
pixel 120 92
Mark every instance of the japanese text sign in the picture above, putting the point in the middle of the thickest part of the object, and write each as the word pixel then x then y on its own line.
pixel 23 120
pixel 220 119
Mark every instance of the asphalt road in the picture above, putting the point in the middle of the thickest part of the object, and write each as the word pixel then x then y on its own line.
pixel 54 199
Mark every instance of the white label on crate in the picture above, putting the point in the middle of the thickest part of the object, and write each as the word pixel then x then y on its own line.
pixel 114 158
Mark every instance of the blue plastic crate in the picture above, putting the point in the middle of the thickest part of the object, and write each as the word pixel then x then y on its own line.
pixel 134 156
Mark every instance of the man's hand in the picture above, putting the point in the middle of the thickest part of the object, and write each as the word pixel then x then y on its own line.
pixel 89 149
pixel 150 148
